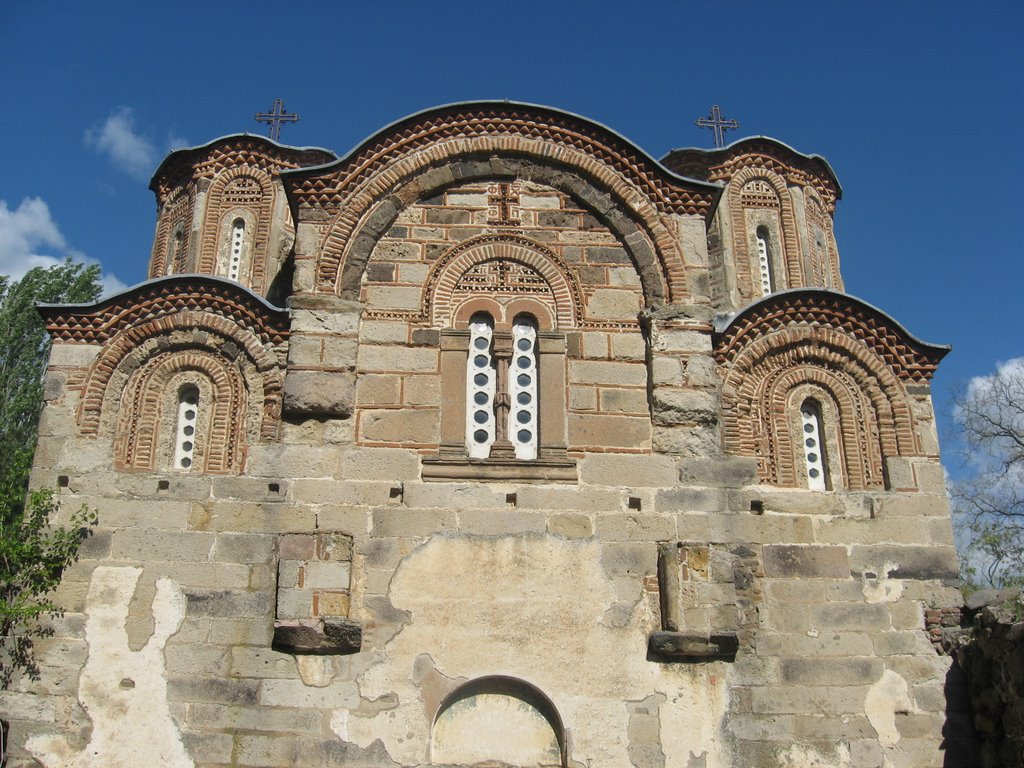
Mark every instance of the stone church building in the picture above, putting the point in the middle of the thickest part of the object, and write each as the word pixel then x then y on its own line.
pixel 494 442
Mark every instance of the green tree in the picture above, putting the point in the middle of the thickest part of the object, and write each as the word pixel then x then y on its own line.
pixel 988 505
pixel 24 351
pixel 33 554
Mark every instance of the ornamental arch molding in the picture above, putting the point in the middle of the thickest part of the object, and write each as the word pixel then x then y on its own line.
pixel 441 294
pixel 205 339
pixel 840 346
pixel 631 193
pixel 643 232
pixel 874 415
pixel 145 424
pixel 788 235
pixel 235 189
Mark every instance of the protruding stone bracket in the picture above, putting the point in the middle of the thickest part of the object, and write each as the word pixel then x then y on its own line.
pixel 325 637
pixel 664 646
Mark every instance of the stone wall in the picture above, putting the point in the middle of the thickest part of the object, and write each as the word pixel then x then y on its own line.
pixel 989 650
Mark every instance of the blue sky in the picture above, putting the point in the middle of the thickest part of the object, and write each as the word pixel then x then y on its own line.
pixel 916 105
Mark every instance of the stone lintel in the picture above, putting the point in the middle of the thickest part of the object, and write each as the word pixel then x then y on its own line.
pixel 334 636
pixel 665 646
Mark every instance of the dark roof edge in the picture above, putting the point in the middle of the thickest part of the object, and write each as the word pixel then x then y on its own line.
pixel 714 150
pixel 725 320
pixel 223 282
pixel 390 127
pixel 242 135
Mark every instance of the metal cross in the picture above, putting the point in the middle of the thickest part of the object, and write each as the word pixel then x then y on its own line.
pixel 275 117
pixel 715 122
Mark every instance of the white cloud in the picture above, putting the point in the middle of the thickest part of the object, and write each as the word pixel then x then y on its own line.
pixel 117 138
pixel 29 237
pixel 128 148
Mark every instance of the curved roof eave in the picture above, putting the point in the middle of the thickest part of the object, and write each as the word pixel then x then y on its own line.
pixel 242 135
pixel 726 320
pixel 391 127
pixel 106 301
pixel 714 150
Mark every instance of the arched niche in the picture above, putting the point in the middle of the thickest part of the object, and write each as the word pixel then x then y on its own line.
pixel 498 721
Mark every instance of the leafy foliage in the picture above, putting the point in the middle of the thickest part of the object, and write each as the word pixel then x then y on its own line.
pixel 24 350
pixel 33 557
pixel 989 505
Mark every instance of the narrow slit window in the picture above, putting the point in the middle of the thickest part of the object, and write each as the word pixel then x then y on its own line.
pixel 185 434
pixel 237 254
pixel 764 261
pixel 480 387
pixel 813 446
pixel 522 389
pixel 173 252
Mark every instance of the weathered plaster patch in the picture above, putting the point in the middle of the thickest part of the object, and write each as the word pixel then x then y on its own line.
pixel 883 589
pixel 123 691
pixel 531 608
pixel 696 700
pixel 884 699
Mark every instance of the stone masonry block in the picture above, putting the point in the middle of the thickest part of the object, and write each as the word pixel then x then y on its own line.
pixel 412 522
pixel 135 544
pixel 329 575
pixel 607 373
pixel 638 527
pixel 244 548
pixel 832 671
pixel 627 470
pixel 623 400
pixel 319 393
pixel 905 562
pixel 278 460
pixel 608 431
pixel 296 546
pixel 400 426
pixel 397 358
pixel 671 406
pixel 789 561
pixel 724 472
pixel 380 464
pixel 690 500
pixel 571 526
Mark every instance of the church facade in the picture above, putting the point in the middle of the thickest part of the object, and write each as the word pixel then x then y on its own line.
pixel 493 442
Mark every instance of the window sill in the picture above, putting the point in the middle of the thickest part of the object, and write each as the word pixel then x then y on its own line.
pixel 446 468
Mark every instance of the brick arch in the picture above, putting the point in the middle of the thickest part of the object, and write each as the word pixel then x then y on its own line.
pixel 439 287
pixel 875 418
pixel 146 419
pixel 790 243
pixel 132 348
pixel 213 231
pixel 595 185
pixel 175 216
pixel 816 211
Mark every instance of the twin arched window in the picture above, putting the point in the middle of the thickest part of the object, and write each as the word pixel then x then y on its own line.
pixel 501 388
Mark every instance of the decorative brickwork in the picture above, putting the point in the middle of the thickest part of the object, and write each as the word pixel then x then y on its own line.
pixel 366 191
pixel 848 357
pixel 760 153
pixel 147 406
pixel 762 188
pixel 171 245
pixel 501 266
pixel 240 191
